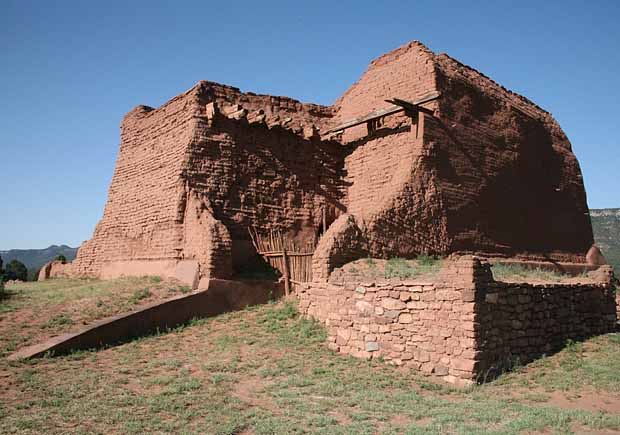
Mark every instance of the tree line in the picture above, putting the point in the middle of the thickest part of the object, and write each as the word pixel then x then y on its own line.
pixel 15 270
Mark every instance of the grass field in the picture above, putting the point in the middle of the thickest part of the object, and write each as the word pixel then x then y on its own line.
pixel 266 370
pixel 34 311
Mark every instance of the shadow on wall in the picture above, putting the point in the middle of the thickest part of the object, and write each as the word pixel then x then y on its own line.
pixel 520 197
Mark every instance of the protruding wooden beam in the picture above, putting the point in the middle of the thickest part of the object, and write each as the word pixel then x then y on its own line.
pixel 395 108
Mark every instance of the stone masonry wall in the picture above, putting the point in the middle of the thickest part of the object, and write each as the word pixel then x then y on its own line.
pixel 427 326
pixel 463 327
pixel 517 323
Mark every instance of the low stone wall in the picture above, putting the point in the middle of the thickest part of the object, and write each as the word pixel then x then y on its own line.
pixel 517 323
pixel 426 326
pixel 463 327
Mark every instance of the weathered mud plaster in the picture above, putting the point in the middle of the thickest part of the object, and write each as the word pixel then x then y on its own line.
pixel 480 169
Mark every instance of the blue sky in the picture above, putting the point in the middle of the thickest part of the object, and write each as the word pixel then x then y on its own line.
pixel 70 70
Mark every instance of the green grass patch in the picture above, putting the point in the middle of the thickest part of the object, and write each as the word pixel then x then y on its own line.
pixel 139 295
pixel 267 370
pixel 58 321
pixel 516 272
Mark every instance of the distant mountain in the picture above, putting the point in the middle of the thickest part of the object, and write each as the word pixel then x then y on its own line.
pixel 606 227
pixel 35 258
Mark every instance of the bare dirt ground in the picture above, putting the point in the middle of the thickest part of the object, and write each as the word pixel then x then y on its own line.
pixel 266 370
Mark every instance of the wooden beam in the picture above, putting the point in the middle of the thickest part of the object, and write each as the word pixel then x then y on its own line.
pixel 287 282
pixel 409 106
pixel 379 113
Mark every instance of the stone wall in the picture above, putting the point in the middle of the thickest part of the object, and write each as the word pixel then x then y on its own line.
pixel 462 326
pixel 517 323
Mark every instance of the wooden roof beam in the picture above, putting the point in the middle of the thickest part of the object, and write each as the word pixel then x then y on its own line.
pixel 398 105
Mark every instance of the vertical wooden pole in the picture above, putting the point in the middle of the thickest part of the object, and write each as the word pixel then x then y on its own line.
pixel 287 283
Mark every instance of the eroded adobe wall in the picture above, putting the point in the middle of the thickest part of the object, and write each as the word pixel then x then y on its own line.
pixel 194 174
pixel 391 189
pixel 142 220
pixel 267 168
pixel 487 171
pixel 508 178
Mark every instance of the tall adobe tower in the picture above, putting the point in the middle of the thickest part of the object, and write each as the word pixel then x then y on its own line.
pixel 474 167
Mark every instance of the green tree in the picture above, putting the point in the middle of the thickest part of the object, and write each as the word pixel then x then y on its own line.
pixel 62 259
pixel 16 270
pixel 1 279
pixel 33 274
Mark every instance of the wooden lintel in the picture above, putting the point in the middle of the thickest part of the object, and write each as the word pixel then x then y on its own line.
pixel 395 108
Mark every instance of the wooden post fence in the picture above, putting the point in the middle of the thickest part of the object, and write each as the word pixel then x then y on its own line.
pixel 291 258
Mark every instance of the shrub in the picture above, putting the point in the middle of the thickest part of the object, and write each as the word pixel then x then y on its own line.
pixel 61 258
pixel 16 270
pixel 1 280
pixel 33 274
pixel 426 260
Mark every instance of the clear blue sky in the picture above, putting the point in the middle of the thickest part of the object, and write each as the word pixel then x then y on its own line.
pixel 70 70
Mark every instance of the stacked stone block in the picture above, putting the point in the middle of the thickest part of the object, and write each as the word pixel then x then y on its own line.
pixel 462 327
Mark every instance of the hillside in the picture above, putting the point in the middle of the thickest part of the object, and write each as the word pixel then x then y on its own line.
pixel 606 227
pixel 35 258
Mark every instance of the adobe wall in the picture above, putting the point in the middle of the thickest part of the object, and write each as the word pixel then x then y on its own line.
pixel 56 269
pixel 267 170
pixel 193 175
pixel 506 171
pixel 142 220
pixel 482 170
pixel 463 327
pixel 390 190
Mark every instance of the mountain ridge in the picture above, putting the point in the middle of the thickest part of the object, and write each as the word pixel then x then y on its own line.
pixel 35 258
pixel 606 228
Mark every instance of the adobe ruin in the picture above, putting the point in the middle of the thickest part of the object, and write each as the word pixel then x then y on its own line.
pixel 422 155
pixel 472 168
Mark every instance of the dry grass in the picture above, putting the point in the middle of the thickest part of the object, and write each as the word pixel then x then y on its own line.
pixel 266 370
pixel 423 267
pixel 517 273
pixel 34 311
